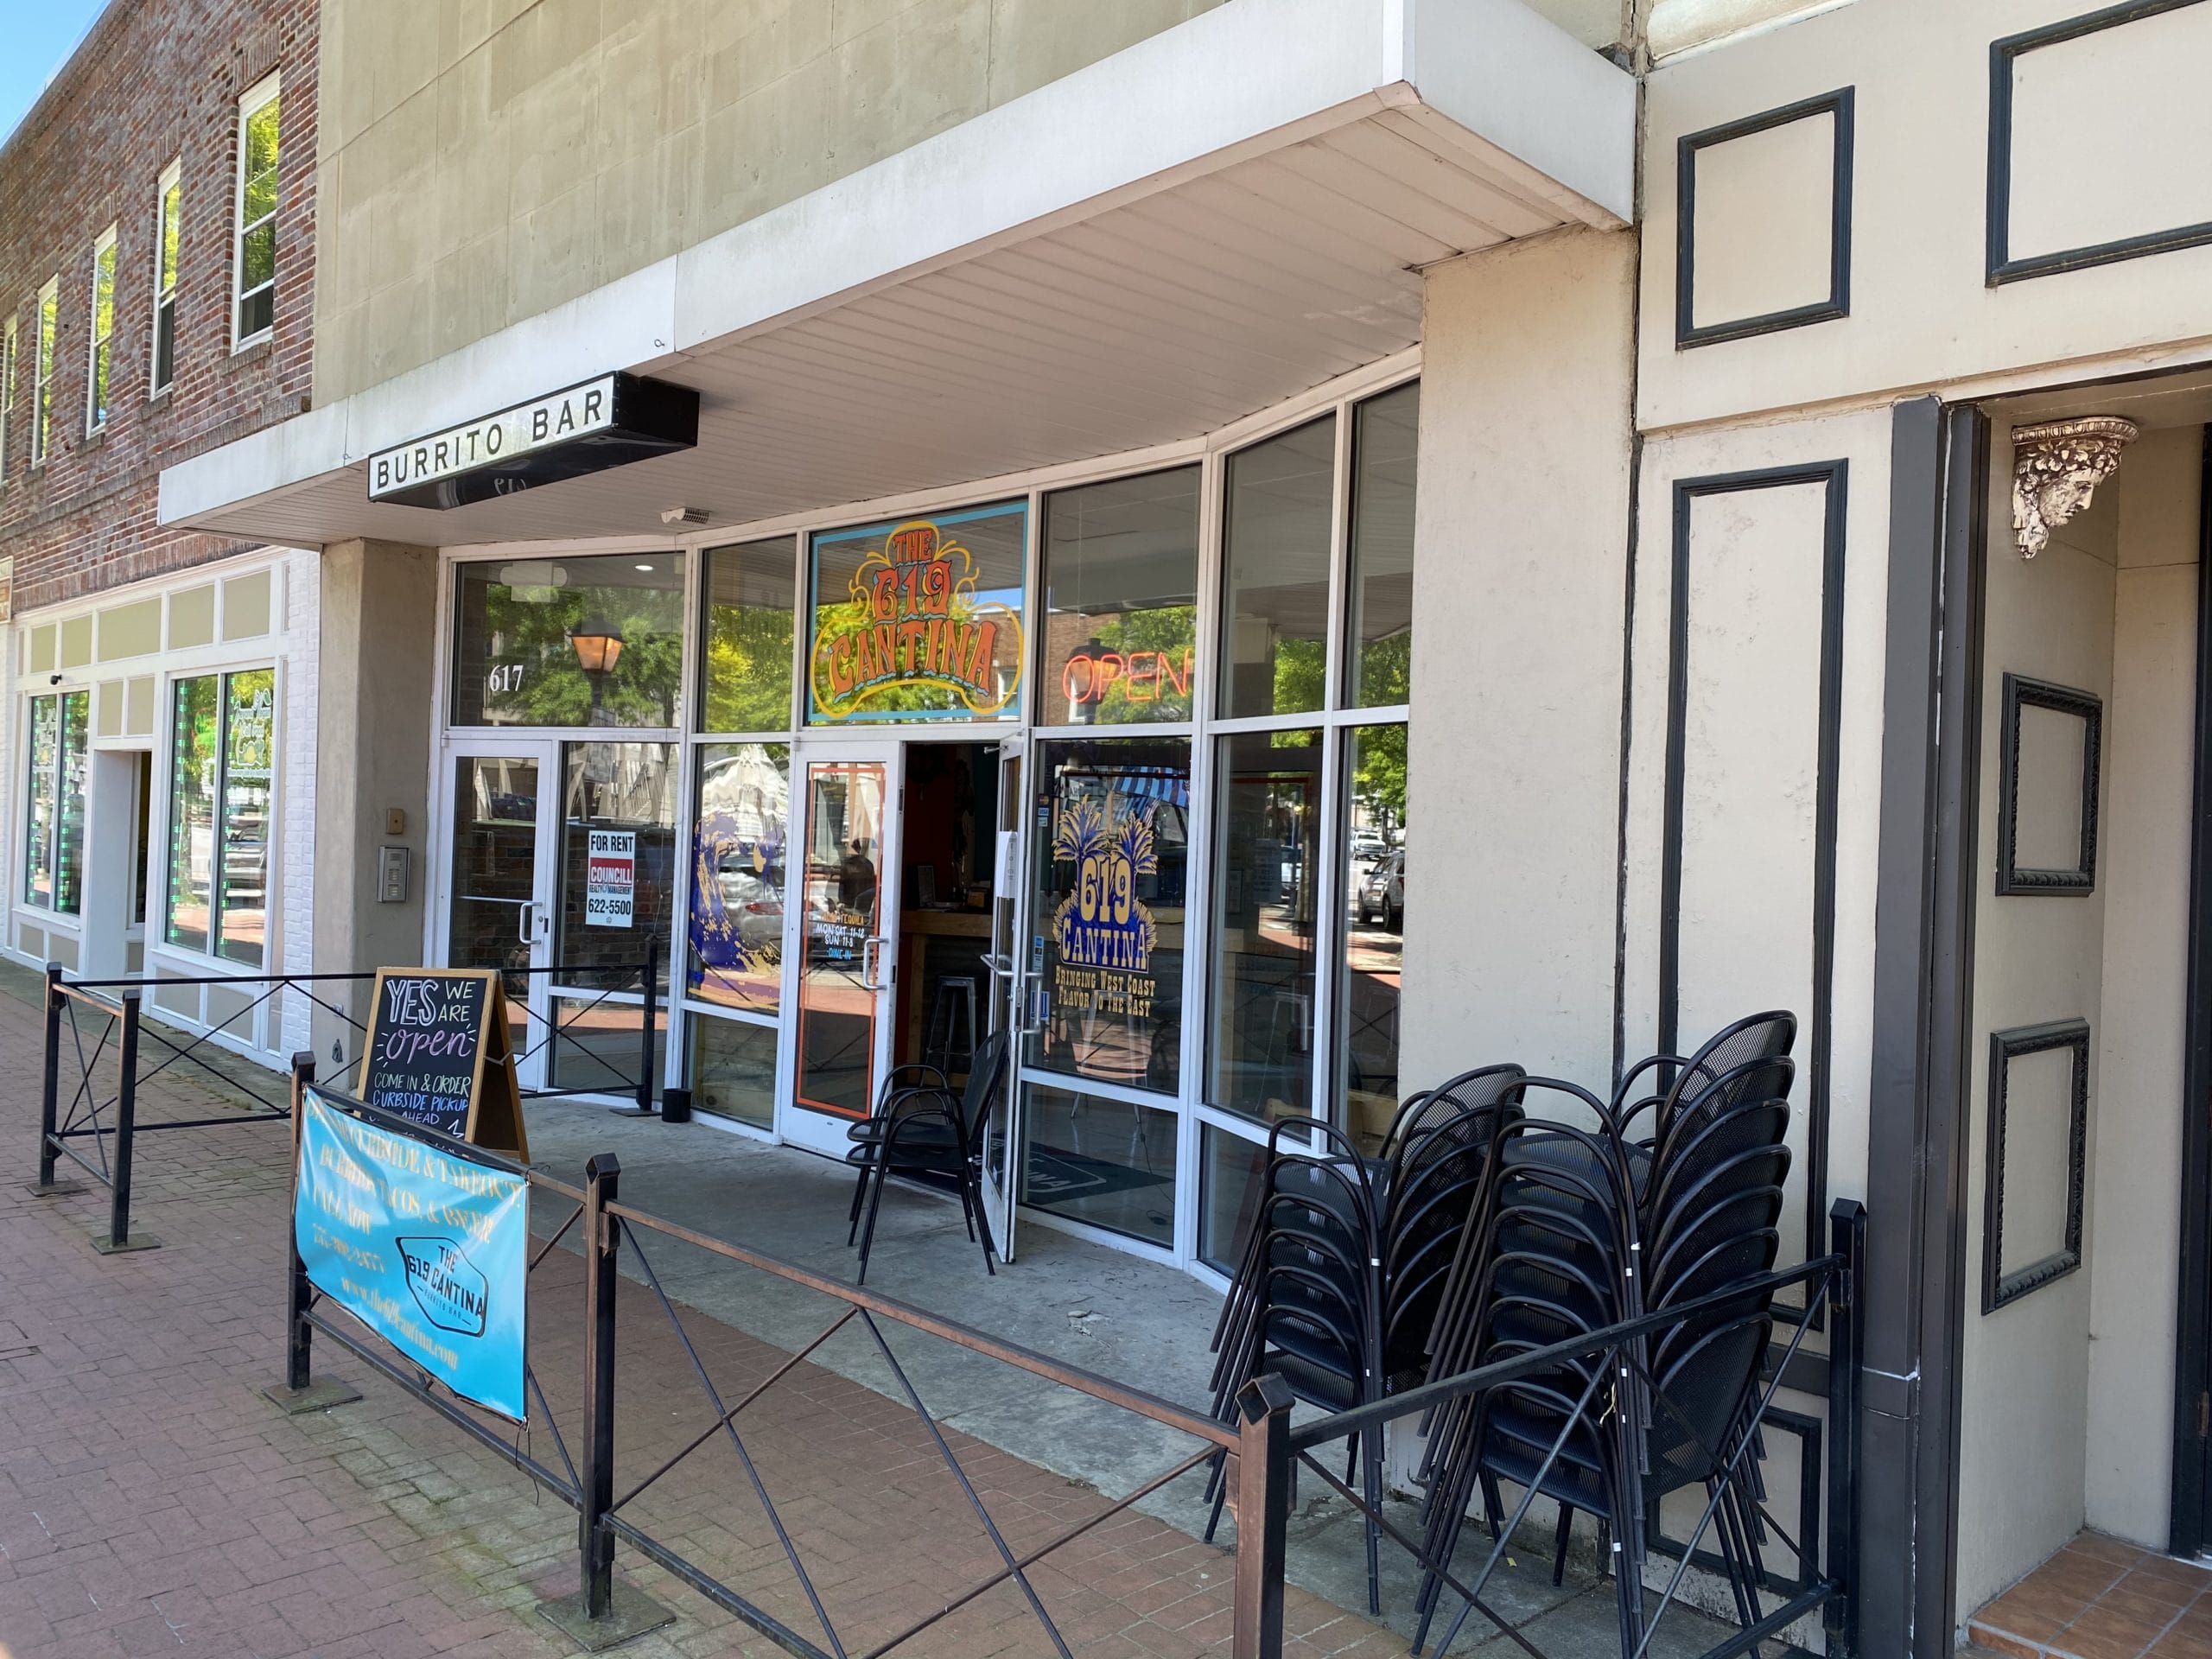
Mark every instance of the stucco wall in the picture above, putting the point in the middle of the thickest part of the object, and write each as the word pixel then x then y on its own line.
pixel 482 162
pixel 1519 587
pixel 373 732
pixel 1921 312
pixel 2143 849
pixel 2038 958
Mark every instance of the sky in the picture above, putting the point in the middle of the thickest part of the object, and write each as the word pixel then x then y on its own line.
pixel 40 36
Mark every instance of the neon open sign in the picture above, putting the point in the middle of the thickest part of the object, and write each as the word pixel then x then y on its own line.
pixel 1143 676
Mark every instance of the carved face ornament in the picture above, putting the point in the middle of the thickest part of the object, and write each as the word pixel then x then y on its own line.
pixel 2056 467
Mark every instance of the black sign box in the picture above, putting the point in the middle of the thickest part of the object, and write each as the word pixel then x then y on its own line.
pixel 607 421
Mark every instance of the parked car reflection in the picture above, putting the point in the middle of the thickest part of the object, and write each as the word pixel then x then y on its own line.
pixel 1382 892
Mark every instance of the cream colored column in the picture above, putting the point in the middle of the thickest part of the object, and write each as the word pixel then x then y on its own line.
pixel 2143 861
pixel 379 615
pixel 1513 859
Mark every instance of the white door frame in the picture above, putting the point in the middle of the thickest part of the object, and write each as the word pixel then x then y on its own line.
pixel 534 920
pixel 877 969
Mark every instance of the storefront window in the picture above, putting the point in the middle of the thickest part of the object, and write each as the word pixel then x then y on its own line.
pixel 919 619
pixel 1228 1194
pixel 618 855
pixel 592 641
pixel 1276 615
pixel 733 1070
pixel 1265 867
pixel 242 913
pixel 746 673
pixel 1110 1163
pixel 737 875
pixel 38 833
pixel 1109 908
pixel 1374 899
pixel 221 738
pixel 1121 601
pixel 196 715
pixel 617 890
pixel 1379 595
pixel 54 838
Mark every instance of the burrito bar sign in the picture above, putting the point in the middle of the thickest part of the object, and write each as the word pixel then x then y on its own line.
pixel 608 421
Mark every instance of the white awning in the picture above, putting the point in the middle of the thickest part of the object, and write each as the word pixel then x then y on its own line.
pixel 1206 224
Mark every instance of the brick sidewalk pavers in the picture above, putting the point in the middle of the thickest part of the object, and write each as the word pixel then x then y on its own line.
pixel 152 1502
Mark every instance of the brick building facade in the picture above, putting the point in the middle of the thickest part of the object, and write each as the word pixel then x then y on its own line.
pixel 157 281
pixel 157 81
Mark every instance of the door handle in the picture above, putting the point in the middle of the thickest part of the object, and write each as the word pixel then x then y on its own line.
pixel 1030 1014
pixel 526 923
pixel 871 962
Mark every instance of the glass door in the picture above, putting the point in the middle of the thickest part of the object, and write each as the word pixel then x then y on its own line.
pixel 613 883
pixel 498 865
pixel 1011 983
pixel 848 945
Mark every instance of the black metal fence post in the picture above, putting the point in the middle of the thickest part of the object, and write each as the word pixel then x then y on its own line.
pixel 649 1045
pixel 1263 1470
pixel 50 1100
pixel 119 1237
pixel 301 1391
pixel 299 1334
pixel 595 1536
pixel 1847 1324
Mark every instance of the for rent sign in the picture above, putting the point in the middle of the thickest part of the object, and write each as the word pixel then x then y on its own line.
pixel 427 1249
pixel 611 877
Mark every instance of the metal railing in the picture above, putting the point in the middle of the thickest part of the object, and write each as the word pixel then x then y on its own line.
pixel 586 1479
pixel 1622 1398
pixel 88 1020
pixel 1261 1448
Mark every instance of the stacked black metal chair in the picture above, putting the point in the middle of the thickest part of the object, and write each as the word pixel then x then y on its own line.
pixel 1555 1261
pixel 1346 1260
pixel 924 1129
pixel 1588 1226
pixel 898 1081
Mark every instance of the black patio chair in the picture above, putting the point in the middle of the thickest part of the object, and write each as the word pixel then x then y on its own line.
pixel 900 1079
pixel 1755 1037
pixel 1687 1413
pixel 1307 1302
pixel 1553 1262
pixel 927 1130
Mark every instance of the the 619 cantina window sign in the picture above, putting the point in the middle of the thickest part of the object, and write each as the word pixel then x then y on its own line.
pixel 1104 932
pixel 608 421
pixel 919 620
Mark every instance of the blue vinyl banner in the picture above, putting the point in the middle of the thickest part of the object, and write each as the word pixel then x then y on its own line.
pixel 429 1250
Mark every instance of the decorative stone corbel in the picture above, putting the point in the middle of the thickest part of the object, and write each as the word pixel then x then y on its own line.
pixel 2056 467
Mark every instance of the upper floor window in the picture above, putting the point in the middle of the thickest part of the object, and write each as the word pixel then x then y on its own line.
pixel 255 273
pixel 7 388
pixel 48 325
pixel 168 213
pixel 100 356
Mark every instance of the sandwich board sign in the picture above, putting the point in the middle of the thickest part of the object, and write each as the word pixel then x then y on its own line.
pixel 428 1248
pixel 438 1055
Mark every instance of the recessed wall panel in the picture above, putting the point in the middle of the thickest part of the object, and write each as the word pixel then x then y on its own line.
pixel 2108 134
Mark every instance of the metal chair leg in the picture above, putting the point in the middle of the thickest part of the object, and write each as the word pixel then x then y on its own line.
pixel 860 1197
pixel 875 1203
pixel 972 1183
